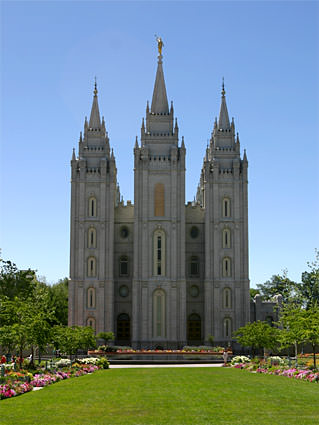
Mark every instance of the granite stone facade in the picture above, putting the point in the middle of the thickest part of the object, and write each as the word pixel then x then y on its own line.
pixel 160 273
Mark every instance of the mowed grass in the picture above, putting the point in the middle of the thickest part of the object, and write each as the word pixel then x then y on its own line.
pixel 168 396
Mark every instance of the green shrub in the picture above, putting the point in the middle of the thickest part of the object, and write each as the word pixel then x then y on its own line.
pixel 103 362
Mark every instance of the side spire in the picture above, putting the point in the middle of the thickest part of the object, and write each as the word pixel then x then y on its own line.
pixel 95 121
pixel 223 121
pixel 159 100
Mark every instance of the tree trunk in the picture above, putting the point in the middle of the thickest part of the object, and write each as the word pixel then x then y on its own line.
pixel 314 355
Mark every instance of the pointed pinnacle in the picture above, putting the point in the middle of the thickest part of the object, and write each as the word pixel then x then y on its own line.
pixel 95 87
pixel 223 88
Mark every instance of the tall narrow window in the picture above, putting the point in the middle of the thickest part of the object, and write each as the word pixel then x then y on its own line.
pixel 91 298
pixel 226 207
pixel 159 200
pixel 159 325
pixel 92 207
pixel 123 327
pixel 159 253
pixel 123 265
pixel 227 327
pixel 194 266
pixel 194 327
pixel 226 238
pixel 92 237
pixel 91 322
pixel 91 267
pixel 226 267
pixel 227 298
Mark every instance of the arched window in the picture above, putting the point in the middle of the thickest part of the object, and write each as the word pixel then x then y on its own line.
pixel 226 207
pixel 91 322
pixel 92 207
pixel 226 267
pixel 91 298
pixel 159 200
pixel 194 266
pixel 91 267
pixel 226 238
pixel 227 298
pixel 123 326
pixel 124 265
pixel 227 327
pixel 159 322
pixel 159 253
pixel 92 237
pixel 194 327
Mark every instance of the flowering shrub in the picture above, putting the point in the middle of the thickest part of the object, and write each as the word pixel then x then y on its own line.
pixel 239 359
pixel 12 389
pixel 13 386
pixel 275 360
pixel 63 363
pixel 89 360
pixel 307 375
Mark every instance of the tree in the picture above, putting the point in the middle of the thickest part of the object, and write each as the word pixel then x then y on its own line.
pixel 71 339
pixel 309 288
pixel 257 335
pixel 309 323
pixel 106 336
pixel 14 282
pixel 290 326
pixel 58 296
pixel 278 284
pixel 8 338
pixel 253 292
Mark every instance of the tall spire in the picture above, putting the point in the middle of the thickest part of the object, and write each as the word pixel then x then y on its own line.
pixel 159 100
pixel 223 121
pixel 95 121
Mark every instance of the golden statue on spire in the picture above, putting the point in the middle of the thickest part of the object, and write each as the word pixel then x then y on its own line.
pixel 160 44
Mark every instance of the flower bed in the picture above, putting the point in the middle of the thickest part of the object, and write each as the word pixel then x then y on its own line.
pixel 17 383
pixel 269 369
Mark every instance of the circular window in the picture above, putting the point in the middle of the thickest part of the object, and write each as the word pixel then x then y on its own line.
pixel 194 291
pixel 124 232
pixel 194 232
pixel 123 291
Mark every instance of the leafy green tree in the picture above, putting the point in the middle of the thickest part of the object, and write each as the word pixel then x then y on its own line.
pixel 309 323
pixel 290 326
pixel 309 288
pixel 278 284
pixel 58 297
pixel 15 282
pixel 257 335
pixel 71 339
pixel 8 339
pixel 105 336
pixel 253 292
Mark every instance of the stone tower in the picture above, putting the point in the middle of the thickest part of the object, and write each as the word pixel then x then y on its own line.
pixel 222 194
pixel 93 197
pixel 159 286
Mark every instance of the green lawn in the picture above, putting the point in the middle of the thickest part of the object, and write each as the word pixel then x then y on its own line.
pixel 168 396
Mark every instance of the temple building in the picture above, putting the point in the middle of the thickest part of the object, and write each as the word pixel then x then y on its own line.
pixel 162 272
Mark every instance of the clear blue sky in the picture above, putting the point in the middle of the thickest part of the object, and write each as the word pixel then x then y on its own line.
pixel 268 53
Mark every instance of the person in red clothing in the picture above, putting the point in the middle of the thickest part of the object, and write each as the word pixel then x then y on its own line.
pixel 3 360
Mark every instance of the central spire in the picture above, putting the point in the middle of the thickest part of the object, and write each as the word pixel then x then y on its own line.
pixel 223 122
pixel 95 121
pixel 159 100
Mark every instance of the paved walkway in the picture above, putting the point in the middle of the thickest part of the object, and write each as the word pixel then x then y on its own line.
pixel 120 366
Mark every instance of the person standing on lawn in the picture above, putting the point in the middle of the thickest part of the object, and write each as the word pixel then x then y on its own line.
pixel 225 356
